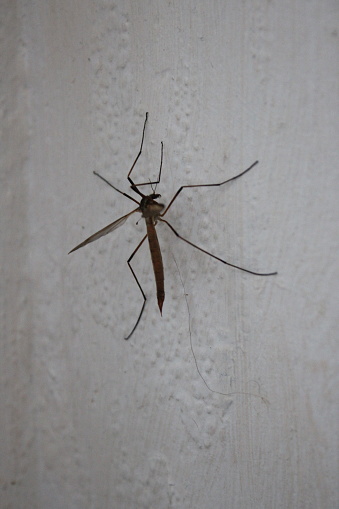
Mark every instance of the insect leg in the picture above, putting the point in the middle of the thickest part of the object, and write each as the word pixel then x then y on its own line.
pixel 207 185
pixel 156 182
pixel 133 185
pixel 136 279
pixel 213 256
pixel 116 189
pixel 139 154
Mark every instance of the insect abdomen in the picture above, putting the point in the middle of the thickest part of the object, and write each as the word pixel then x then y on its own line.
pixel 156 261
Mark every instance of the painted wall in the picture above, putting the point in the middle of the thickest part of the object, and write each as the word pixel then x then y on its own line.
pixel 89 420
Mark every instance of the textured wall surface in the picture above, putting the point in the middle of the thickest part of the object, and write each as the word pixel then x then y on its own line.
pixel 87 419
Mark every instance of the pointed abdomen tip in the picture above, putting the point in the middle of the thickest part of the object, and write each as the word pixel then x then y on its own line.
pixel 161 299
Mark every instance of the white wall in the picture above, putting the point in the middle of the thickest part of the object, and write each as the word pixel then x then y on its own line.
pixel 89 420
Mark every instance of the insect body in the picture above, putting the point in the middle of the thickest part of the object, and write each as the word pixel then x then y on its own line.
pixel 152 212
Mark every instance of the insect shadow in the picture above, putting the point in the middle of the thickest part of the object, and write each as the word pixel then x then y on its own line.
pixel 153 211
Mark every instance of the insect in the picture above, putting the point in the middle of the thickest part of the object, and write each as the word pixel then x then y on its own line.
pixel 153 211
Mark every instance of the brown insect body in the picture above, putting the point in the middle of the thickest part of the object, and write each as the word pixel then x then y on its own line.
pixel 151 210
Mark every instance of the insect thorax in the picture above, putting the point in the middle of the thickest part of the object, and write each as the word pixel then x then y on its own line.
pixel 149 207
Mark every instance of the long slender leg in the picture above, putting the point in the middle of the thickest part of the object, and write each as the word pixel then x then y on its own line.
pixel 130 171
pixel 116 189
pixel 133 185
pixel 136 159
pixel 159 176
pixel 142 292
pixel 207 185
pixel 213 256
pixel 156 182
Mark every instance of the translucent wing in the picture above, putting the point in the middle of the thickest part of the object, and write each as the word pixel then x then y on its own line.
pixel 108 229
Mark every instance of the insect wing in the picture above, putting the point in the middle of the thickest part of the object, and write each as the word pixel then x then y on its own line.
pixel 108 229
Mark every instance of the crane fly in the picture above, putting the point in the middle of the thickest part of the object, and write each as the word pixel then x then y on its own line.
pixel 153 211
